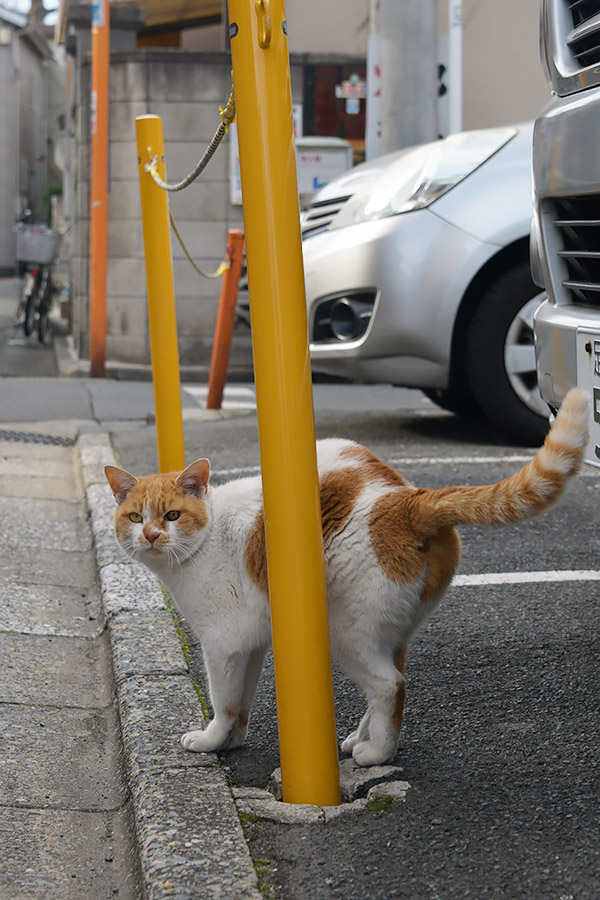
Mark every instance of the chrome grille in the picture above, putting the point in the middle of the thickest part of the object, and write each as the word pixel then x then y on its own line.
pixel 571 44
pixel 584 40
pixel 319 216
pixel 578 222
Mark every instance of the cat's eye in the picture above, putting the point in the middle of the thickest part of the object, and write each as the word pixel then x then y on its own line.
pixel 135 517
pixel 172 515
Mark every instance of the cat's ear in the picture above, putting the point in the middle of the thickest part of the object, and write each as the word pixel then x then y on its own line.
pixel 194 479
pixel 121 482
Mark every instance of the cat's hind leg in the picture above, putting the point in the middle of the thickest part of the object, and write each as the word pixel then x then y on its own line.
pixel 386 697
pixel 227 677
pixel 382 680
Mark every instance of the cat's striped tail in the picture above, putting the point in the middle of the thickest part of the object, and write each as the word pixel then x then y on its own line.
pixel 523 495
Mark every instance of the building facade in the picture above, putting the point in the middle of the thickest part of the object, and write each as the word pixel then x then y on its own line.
pixel 183 76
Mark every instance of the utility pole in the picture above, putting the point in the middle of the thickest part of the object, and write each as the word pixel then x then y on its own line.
pixel 409 71
pixel 374 84
pixel 455 64
pixel 99 184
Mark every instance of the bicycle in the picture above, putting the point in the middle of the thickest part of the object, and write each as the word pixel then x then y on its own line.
pixel 37 247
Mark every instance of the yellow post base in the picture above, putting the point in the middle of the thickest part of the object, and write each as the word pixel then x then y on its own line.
pixel 307 737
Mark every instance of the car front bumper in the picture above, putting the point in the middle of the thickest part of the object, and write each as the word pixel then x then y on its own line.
pixel 567 333
pixel 419 266
pixel 567 340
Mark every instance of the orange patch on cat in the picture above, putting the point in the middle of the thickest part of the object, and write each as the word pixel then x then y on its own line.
pixel 372 468
pixel 400 659
pixel 255 555
pixel 339 492
pixel 399 701
pixel 242 718
pixel 443 554
pixel 397 548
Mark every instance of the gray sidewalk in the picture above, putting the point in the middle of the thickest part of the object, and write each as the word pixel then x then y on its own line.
pixel 97 796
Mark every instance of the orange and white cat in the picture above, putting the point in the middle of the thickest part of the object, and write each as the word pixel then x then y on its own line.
pixel 390 553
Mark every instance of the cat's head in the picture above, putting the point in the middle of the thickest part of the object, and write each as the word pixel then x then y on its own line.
pixel 161 518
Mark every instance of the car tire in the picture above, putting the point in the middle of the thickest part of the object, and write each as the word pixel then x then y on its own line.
pixel 461 403
pixel 501 357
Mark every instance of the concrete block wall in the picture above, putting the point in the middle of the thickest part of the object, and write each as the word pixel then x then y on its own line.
pixel 185 89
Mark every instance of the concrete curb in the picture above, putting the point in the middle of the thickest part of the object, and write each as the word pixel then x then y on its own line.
pixel 188 832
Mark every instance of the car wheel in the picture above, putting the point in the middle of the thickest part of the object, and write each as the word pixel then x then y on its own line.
pixel 461 403
pixel 501 357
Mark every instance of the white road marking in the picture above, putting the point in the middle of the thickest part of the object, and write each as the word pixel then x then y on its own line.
pixel 445 460
pixel 233 397
pixel 488 578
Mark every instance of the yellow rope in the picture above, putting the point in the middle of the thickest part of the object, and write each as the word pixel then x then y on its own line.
pixel 227 116
pixel 222 266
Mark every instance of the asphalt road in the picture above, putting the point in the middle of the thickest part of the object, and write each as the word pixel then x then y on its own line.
pixel 501 736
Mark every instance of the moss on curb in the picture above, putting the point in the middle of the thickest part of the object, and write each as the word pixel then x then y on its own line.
pixel 187 653
pixel 248 819
pixel 261 867
pixel 378 805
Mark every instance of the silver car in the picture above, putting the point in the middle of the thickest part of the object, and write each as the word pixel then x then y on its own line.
pixel 566 232
pixel 417 274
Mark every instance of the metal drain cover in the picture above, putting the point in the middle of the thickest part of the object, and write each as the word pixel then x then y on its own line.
pixel 30 437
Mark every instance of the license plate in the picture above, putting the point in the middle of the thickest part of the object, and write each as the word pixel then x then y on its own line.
pixel 588 377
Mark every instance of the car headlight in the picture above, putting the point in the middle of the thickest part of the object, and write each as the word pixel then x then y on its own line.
pixel 422 175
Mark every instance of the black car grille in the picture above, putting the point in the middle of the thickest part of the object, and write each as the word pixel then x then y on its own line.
pixel 578 222
pixel 584 40
pixel 319 215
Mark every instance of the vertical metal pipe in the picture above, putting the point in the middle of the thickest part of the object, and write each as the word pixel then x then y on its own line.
pixel 99 184
pixel 161 297
pixel 455 65
pixel 307 738
pixel 225 319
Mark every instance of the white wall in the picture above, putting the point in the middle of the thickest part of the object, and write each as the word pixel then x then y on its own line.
pixel 327 26
pixel 502 75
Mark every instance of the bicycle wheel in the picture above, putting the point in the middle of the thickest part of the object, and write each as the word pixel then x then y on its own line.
pixel 42 325
pixel 30 305
pixel 44 306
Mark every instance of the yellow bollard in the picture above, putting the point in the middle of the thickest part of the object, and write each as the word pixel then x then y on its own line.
pixel 307 738
pixel 161 298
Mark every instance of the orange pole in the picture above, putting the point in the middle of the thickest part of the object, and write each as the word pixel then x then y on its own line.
pixel 225 319
pixel 99 184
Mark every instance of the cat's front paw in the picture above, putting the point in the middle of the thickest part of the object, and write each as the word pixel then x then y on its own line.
pixel 348 745
pixel 199 742
pixel 236 738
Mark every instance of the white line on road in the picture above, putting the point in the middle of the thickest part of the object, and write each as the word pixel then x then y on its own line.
pixel 233 397
pixel 526 577
pixel 445 460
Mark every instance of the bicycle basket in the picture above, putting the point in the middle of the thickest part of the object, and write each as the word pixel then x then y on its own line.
pixel 36 244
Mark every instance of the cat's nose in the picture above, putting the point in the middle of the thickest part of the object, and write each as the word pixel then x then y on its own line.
pixel 151 534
